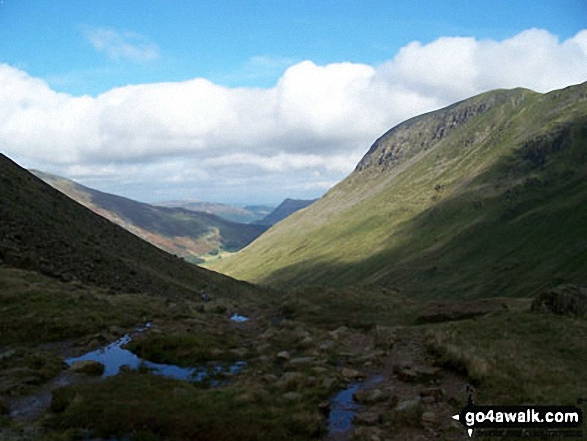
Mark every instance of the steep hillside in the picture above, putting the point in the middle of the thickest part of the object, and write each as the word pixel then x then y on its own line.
pixel 243 215
pixel 45 231
pixel 283 210
pixel 178 231
pixel 485 197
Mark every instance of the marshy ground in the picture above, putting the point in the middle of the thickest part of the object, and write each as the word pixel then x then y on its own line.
pixel 300 351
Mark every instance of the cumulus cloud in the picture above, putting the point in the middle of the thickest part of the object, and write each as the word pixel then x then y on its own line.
pixel 310 128
pixel 126 45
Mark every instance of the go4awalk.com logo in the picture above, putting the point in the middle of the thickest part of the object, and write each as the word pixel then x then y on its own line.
pixel 523 421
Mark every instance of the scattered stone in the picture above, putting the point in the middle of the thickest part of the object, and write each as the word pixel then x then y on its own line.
pixel 437 393
pixel 428 418
pixel 408 405
pixel 338 332
pixel 369 396
pixel 240 352
pixel 284 356
pixel 288 380
pixel 428 400
pixel 88 367
pixel 292 396
pixel 351 374
pixel 568 300
pixel 385 338
pixel 306 342
pixel 263 348
pixel 451 311
pixel 324 407
pixel 418 374
pixel 367 433
pixel 301 361
pixel 367 418
pixel 270 378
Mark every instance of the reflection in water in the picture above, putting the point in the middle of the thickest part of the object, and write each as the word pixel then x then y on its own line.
pixel 113 357
pixel 343 408
pixel 238 318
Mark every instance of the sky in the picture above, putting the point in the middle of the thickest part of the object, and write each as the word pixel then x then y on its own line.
pixel 254 101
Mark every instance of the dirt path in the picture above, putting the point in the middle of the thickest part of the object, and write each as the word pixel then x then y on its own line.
pixel 413 400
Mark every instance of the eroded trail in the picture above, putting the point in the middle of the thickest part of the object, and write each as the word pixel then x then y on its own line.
pixel 405 396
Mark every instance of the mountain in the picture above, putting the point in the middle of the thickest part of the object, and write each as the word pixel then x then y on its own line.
pixel 283 210
pixel 485 197
pixel 43 230
pixel 178 231
pixel 243 215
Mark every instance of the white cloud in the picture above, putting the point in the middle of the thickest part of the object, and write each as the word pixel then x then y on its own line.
pixel 312 126
pixel 116 45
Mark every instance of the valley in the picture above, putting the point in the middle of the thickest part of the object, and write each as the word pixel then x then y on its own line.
pixel 451 260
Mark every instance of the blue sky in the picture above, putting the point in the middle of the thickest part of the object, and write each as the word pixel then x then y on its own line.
pixel 249 55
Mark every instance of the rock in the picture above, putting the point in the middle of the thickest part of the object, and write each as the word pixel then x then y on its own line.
pixel 292 396
pixel 415 374
pixel 437 393
pixel 367 433
pixel 240 352
pixel 428 418
pixel 88 367
pixel 369 396
pixel 306 342
pixel 263 348
pixel 351 374
pixel 284 356
pixel 288 380
pixel 324 407
pixel 451 311
pixel 338 332
pixel 385 338
pixel 408 412
pixel 367 418
pixel 428 400
pixel 270 378
pixel 408 405
pixel 301 361
pixel 568 300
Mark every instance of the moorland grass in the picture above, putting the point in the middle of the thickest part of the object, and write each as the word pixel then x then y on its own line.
pixel 517 357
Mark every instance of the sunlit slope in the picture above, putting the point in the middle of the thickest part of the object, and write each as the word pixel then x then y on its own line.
pixel 44 231
pixel 485 197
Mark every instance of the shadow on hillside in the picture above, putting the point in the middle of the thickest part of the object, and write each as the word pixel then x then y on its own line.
pixel 501 237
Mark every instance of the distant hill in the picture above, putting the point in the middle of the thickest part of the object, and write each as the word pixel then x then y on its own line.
pixel 178 231
pixel 243 215
pixel 485 197
pixel 45 231
pixel 283 210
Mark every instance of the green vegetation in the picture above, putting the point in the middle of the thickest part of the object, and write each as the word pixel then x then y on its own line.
pixel 483 198
pixel 145 405
pixel 186 233
pixel 185 349
pixel 517 357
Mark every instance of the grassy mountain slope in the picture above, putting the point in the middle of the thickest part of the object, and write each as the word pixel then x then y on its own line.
pixel 484 197
pixel 283 210
pixel 176 230
pixel 45 231
pixel 243 215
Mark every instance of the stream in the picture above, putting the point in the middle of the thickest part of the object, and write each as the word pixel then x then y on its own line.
pixel 343 408
pixel 113 356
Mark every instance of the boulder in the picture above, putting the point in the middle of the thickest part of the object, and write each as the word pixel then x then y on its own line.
pixel 369 396
pixel 367 418
pixel 284 356
pixel 351 374
pixel 568 300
